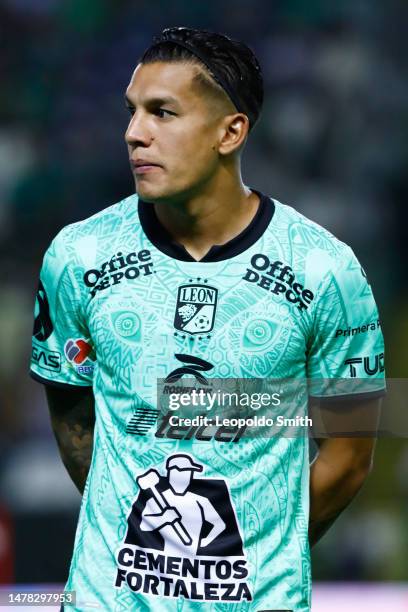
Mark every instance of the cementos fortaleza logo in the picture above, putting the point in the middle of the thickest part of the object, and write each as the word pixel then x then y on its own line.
pixel 80 354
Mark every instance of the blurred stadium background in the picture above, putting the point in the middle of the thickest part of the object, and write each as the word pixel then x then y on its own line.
pixel 333 142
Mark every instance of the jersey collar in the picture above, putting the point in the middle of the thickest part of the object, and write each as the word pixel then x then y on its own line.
pixel 162 240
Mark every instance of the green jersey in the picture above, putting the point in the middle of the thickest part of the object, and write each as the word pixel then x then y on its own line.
pixel 172 518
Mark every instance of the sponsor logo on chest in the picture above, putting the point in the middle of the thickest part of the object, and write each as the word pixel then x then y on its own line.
pixel 118 268
pixel 279 279
pixel 183 537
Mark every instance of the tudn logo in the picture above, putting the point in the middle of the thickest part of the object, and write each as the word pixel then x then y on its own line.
pixel 194 367
pixel 195 309
pixel 369 368
pixel 43 326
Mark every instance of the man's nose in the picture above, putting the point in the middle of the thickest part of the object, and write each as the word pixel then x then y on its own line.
pixel 137 133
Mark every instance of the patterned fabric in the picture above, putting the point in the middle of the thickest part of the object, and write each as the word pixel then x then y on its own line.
pixel 183 523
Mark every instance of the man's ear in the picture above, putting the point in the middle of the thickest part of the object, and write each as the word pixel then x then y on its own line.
pixel 235 130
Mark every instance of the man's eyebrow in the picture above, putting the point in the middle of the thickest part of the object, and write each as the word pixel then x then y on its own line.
pixel 158 101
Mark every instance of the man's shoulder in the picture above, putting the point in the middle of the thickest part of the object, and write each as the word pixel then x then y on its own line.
pixel 90 233
pixel 104 222
pixel 308 235
pixel 311 249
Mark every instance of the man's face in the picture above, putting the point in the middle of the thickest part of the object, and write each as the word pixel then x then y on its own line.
pixel 173 132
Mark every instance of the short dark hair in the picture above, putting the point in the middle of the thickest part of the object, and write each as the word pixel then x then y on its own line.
pixel 230 63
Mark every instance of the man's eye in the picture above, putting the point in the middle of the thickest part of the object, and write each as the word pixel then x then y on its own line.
pixel 163 113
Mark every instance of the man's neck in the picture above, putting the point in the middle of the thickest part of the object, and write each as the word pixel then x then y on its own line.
pixel 213 217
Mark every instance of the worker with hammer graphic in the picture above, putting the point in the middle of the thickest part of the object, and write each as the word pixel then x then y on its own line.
pixel 178 513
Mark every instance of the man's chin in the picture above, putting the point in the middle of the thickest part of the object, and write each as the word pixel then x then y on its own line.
pixel 152 193
pixel 148 194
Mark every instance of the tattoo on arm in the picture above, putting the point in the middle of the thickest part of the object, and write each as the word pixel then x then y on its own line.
pixel 73 420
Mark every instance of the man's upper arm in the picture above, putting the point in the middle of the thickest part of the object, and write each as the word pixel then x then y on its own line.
pixel 349 418
pixel 76 405
pixel 62 350
pixel 72 417
pixel 346 348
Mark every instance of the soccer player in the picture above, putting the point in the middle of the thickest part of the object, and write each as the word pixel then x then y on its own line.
pixel 197 275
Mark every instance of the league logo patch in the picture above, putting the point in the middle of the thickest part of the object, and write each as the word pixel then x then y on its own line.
pixel 195 309
pixel 43 326
pixel 80 354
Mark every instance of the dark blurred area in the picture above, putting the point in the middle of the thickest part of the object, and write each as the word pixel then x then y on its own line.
pixel 332 142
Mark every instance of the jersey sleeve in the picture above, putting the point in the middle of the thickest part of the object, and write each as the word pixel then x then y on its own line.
pixel 346 349
pixel 62 350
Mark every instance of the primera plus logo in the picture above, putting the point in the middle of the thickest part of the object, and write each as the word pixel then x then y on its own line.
pixel 360 329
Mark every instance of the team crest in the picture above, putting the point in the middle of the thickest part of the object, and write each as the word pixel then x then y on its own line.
pixel 195 309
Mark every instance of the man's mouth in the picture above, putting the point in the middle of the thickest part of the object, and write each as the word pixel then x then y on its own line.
pixel 142 166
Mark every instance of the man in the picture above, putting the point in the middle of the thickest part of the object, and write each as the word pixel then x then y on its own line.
pixel 198 275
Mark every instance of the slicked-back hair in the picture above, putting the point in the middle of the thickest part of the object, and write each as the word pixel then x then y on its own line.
pixel 230 64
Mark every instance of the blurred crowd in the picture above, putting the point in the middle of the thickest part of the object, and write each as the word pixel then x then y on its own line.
pixel 332 142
